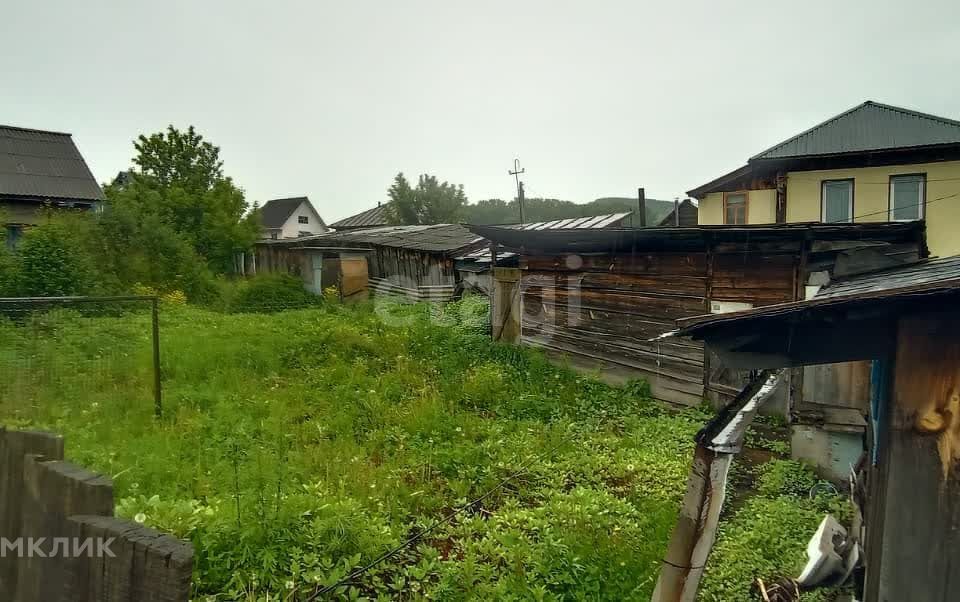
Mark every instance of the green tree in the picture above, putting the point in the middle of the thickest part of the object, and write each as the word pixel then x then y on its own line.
pixel 404 207
pixel 179 158
pixel 431 202
pixel 181 184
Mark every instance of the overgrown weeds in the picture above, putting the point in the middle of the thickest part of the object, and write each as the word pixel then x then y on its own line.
pixel 296 446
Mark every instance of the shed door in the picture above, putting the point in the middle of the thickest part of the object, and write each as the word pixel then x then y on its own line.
pixel 353 278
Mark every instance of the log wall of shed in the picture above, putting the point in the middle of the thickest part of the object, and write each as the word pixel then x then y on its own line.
pixel 411 269
pixel 601 311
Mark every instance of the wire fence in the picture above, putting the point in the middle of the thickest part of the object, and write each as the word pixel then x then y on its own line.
pixel 64 354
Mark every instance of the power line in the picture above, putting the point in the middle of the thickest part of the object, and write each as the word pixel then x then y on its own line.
pixel 412 540
pixel 891 210
pixel 861 182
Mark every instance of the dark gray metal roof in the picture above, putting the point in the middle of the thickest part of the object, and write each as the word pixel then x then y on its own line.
pixel 916 274
pixel 921 279
pixel 871 126
pixel 483 256
pixel 371 218
pixel 438 238
pixel 276 212
pixel 44 165
pixel 608 240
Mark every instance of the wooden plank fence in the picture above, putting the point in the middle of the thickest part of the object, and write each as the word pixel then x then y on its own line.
pixel 61 541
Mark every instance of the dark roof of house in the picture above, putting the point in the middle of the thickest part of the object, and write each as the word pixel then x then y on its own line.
pixel 610 240
pixel 902 283
pixel 689 215
pixel 438 238
pixel 371 218
pixel 44 165
pixel 276 212
pixel 871 126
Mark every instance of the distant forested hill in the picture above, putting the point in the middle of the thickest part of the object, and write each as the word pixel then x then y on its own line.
pixel 497 211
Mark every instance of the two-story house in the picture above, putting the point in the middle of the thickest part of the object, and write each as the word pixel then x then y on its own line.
pixel 290 218
pixel 41 169
pixel 875 162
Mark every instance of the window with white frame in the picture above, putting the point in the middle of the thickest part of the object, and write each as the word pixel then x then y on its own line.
pixel 907 197
pixel 837 201
pixel 302 219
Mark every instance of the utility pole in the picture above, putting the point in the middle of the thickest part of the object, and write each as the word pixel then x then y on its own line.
pixel 515 172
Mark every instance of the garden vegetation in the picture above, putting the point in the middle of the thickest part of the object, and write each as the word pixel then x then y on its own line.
pixel 296 446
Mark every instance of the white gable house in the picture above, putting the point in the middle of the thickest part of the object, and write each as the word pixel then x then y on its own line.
pixel 290 218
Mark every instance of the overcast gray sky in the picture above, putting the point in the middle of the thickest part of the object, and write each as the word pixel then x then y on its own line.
pixel 331 99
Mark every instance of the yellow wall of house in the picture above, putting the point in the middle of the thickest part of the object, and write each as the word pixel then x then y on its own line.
pixel 710 209
pixel 870 200
pixel 761 208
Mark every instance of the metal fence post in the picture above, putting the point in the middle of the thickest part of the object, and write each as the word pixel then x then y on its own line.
pixel 157 387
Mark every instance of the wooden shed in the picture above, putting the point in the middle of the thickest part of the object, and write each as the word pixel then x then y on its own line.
pixel 414 261
pixel 600 298
pixel 906 321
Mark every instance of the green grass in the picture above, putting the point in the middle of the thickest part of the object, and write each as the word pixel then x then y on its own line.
pixel 299 445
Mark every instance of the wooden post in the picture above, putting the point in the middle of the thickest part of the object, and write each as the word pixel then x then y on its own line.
pixel 917 474
pixel 506 305
pixel 642 202
pixel 157 386
pixel 781 209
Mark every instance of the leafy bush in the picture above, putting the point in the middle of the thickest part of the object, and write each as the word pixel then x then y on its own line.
pixel 52 262
pixel 270 293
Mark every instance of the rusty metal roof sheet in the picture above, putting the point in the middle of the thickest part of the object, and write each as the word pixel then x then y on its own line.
pixel 371 218
pixel 437 238
pixel 871 126
pixel 44 165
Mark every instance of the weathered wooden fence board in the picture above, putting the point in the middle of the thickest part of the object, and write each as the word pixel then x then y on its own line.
pixel 49 506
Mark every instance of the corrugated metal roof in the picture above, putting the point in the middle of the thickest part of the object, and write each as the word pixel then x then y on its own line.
pixel 924 272
pixel 438 238
pixel 935 276
pixel 607 240
pixel 607 220
pixel 483 255
pixel 45 165
pixel 871 126
pixel 370 218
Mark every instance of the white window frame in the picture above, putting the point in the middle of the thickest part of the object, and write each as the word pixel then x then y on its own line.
pixel 921 209
pixel 823 200
pixel 303 219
